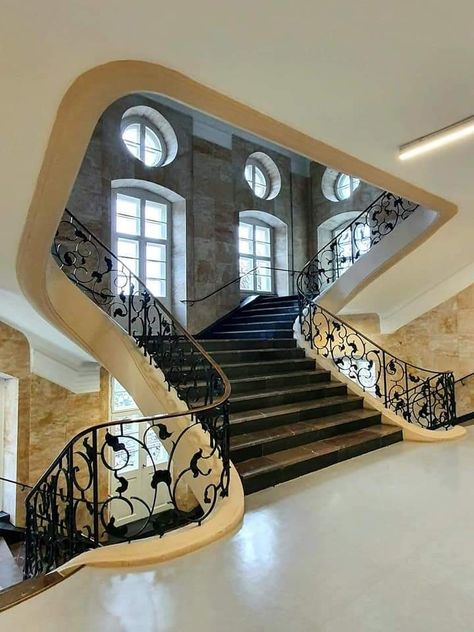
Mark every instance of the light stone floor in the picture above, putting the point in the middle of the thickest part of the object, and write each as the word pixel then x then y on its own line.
pixel 384 542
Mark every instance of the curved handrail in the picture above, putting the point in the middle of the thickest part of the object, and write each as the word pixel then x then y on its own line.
pixel 380 217
pixel 65 512
pixel 420 395
pixel 192 301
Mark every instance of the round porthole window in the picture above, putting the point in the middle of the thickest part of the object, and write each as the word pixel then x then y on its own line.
pixel 148 136
pixel 262 176
pixel 337 186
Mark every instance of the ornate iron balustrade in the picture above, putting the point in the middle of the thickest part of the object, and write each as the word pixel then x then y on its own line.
pixel 419 395
pixel 71 508
pixel 377 221
pixel 464 389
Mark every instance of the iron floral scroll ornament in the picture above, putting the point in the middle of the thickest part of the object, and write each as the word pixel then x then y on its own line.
pixel 419 395
pixel 74 505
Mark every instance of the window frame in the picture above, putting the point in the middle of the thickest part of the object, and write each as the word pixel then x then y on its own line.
pixel 255 164
pixel 338 232
pixel 144 122
pixel 254 223
pixel 352 187
pixel 144 195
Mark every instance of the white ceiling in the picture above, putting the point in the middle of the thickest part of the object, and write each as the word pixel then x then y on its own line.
pixel 363 76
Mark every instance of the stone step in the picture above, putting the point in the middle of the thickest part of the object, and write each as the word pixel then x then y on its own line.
pixel 261 333
pixel 245 325
pixel 234 344
pixel 275 367
pixel 272 469
pixel 295 394
pixel 271 383
pixel 256 355
pixel 276 300
pixel 272 416
pixel 271 317
pixel 257 444
pixel 258 309
pixel 258 384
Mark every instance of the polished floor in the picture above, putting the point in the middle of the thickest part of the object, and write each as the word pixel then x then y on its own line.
pixel 384 542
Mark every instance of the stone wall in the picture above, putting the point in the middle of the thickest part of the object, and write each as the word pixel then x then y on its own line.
pixel 442 340
pixel 210 178
pixel 46 417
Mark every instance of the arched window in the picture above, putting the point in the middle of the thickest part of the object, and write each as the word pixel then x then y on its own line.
pixel 255 256
pixel 144 142
pixel 141 234
pixel 352 242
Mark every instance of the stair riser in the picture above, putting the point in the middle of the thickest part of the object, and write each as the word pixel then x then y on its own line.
pixel 268 479
pixel 288 418
pixel 286 398
pixel 266 335
pixel 278 381
pixel 234 345
pixel 269 311
pixel 261 318
pixel 255 355
pixel 276 301
pixel 258 369
pixel 270 447
pixel 265 326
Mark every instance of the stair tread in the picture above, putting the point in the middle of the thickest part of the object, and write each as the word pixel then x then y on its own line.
pixel 205 340
pixel 284 458
pixel 283 409
pixel 300 427
pixel 304 388
pixel 246 380
pixel 250 331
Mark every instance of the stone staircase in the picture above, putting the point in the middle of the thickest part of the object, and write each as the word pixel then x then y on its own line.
pixel 287 417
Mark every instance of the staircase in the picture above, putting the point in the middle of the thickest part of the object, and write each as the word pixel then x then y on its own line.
pixel 287 417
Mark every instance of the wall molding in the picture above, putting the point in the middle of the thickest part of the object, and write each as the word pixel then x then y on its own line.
pixel 79 379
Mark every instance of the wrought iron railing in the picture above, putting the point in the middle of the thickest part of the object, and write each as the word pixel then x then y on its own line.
pixel 377 221
pixel 76 503
pixel 192 301
pixel 419 395
pixel 464 389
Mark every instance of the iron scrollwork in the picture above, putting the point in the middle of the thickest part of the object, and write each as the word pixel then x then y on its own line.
pixel 75 504
pixel 419 395
pixel 377 221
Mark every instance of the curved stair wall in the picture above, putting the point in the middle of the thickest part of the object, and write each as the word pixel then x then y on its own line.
pixel 69 509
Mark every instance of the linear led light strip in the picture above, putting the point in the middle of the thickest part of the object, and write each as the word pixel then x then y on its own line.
pixel 437 139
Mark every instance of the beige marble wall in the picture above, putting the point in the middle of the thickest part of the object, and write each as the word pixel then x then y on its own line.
pixel 441 339
pixel 48 415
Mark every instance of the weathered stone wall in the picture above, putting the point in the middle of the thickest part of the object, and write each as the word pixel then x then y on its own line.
pixel 48 415
pixel 210 178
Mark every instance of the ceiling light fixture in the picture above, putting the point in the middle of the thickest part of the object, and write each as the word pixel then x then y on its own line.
pixel 437 139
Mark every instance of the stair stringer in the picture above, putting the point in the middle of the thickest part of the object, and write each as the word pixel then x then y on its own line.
pixel 71 312
pixel 411 432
